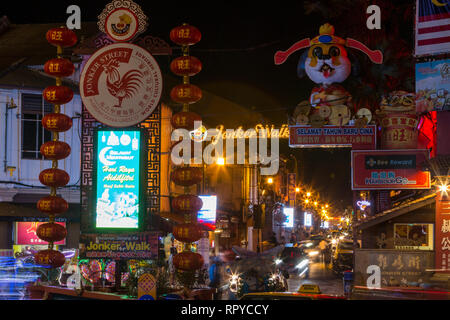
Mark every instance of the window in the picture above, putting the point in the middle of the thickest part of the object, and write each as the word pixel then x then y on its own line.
pixel 413 236
pixel 34 107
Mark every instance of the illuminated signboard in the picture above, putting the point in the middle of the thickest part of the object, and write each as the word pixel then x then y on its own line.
pixel 308 219
pixel 25 234
pixel 207 214
pixel 289 213
pixel 118 201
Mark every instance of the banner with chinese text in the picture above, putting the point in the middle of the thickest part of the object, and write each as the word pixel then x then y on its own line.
pixel 442 242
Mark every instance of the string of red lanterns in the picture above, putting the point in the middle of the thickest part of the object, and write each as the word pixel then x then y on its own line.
pixel 55 150
pixel 186 94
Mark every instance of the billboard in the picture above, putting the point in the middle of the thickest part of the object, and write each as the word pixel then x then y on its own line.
pixel 308 219
pixel 118 179
pixel 433 86
pixel 25 234
pixel 143 245
pixel 389 169
pixel 207 214
pixel 289 213
pixel 442 258
pixel 301 136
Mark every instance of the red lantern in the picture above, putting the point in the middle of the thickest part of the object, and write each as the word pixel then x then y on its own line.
pixel 57 94
pixel 188 261
pixel 185 35
pixel 187 232
pixel 57 122
pixel 55 150
pixel 186 93
pixel 61 36
pixel 52 258
pixel 186 66
pixel 59 67
pixel 186 176
pixel 185 120
pixel 54 177
pixel 186 204
pixel 52 205
pixel 51 232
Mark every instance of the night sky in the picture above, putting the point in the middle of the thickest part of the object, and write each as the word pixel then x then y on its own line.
pixel 239 39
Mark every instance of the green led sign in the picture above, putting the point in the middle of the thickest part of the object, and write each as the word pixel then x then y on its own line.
pixel 118 179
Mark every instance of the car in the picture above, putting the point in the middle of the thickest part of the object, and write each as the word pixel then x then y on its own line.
pixel 306 292
pixel 293 260
pixel 342 256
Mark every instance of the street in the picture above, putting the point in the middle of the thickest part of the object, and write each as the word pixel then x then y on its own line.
pixel 326 279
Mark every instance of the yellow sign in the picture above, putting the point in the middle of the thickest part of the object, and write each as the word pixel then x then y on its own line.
pixel 146 287
pixel 261 131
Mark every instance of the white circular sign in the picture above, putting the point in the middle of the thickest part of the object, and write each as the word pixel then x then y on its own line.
pixel 121 84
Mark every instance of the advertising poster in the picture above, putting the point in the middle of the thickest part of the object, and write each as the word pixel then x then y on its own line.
pixel 118 179
pixel 25 234
pixel 301 136
pixel 289 213
pixel 389 169
pixel 142 245
pixel 433 86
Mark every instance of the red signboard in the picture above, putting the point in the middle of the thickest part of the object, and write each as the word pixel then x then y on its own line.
pixel 442 242
pixel 301 136
pixel 26 234
pixel 389 170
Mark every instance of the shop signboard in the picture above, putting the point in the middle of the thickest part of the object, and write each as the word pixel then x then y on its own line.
pixel 291 184
pixel 442 243
pixel 118 179
pixel 207 214
pixel 289 213
pixel 143 245
pixel 308 219
pixel 25 234
pixel 389 169
pixel 433 86
pixel 303 136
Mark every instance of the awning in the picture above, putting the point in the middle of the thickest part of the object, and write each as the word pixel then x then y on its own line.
pixel 397 211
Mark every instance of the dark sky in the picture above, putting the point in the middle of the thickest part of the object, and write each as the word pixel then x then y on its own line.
pixel 239 39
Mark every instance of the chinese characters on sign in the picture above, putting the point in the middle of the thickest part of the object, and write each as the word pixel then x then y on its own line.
pixel 291 183
pixel 442 232
pixel 332 136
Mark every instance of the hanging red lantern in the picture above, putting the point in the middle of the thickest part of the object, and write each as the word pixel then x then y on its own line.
pixel 52 205
pixel 185 35
pixel 57 94
pixel 55 150
pixel 185 120
pixel 186 93
pixel 54 177
pixel 188 261
pixel 51 232
pixel 186 66
pixel 59 67
pixel 187 232
pixel 186 176
pixel 49 257
pixel 186 204
pixel 61 36
pixel 57 122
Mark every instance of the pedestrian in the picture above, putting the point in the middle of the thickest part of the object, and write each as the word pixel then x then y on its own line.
pixel 323 247
pixel 214 275
pixel 173 251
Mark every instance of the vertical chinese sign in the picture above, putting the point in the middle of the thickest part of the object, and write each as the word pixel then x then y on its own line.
pixel 442 232
pixel 291 182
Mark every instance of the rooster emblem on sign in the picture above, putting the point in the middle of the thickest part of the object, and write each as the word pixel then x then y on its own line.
pixel 121 87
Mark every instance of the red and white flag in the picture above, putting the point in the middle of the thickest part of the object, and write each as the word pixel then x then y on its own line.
pixel 432 27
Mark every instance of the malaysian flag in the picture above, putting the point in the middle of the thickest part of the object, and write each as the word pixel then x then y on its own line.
pixel 432 26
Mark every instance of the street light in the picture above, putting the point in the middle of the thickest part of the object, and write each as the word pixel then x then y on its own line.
pixel 221 161
pixel 269 180
pixel 308 194
pixel 297 190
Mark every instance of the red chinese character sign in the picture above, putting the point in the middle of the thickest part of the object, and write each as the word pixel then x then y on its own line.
pixel 121 85
pixel 122 20
pixel 442 241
